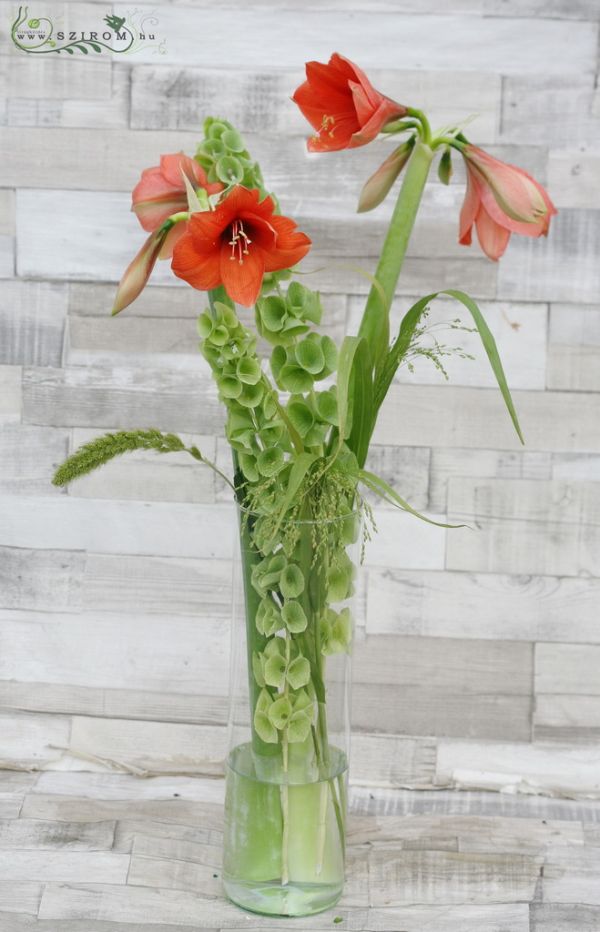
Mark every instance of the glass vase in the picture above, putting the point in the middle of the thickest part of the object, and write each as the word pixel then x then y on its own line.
pixel 289 722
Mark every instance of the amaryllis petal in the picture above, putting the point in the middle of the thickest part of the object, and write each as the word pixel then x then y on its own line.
pixel 161 191
pixel 236 243
pixel 501 199
pixel 341 104
pixel 242 278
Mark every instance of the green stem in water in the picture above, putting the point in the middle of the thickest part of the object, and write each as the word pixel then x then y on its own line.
pixel 375 325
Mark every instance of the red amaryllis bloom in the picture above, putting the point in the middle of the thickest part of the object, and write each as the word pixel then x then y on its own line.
pixel 343 106
pixel 161 192
pixel 501 199
pixel 235 244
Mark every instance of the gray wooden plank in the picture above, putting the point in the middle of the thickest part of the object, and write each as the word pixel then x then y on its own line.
pixel 201 879
pixel 567 719
pixel 20 897
pixel 146 528
pixel 7 256
pixel 111 112
pixel 113 703
pixel 451 918
pixel 448 462
pixel 571 876
pixel 392 760
pixel 555 769
pixel 548 108
pixel 467 667
pixel 108 786
pixel 448 416
pixel 533 270
pixel 76 809
pixel 157 747
pixel 554 501
pixel 404 803
pixel 94 299
pixel 10 394
pixel 17 923
pixel 151 653
pixel 482 605
pixel 7 212
pixel 41 579
pixel 433 710
pixel 33 316
pixel 56 78
pixel 63 866
pixel 482 44
pixel 397 876
pixel 157 585
pixel 574 176
pixel 574 368
pixel 177 907
pixel 30 740
pixel 40 835
pixel 171 98
pixel 555 917
pixel 575 466
pixel 570 669
pixel 121 397
pixel 29 456
pixel 13 787
pixel 405 468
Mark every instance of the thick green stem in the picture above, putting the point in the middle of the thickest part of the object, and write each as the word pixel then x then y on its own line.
pixel 375 326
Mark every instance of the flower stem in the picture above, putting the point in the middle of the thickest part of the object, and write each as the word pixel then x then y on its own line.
pixel 375 322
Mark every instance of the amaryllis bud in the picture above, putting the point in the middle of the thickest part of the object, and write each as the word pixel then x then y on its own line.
pixel 517 194
pixel 445 167
pixel 379 184
pixel 138 272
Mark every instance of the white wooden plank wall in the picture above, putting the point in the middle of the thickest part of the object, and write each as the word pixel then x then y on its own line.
pixel 478 650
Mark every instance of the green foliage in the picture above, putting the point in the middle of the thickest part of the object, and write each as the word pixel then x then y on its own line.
pixel 224 156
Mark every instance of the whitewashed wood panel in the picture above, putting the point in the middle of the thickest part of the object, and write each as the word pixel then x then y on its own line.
pixel 397 876
pixel 554 917
pixel 570 718
pixel 153 584
pixel 177 849
pixel 7 256
pixel 554 501
pixel 100 701
pixel 406 469
pixel 154 746
pixel 482 605
pixel 572 879
pixel 152 528
pixel 558 9
pixel 160 481
pixel 540 768
pixel 10 394
pixel 535 269
pixel 154 872
pixel 94 299
pixel 574 324
pixel 172 342
pixel 38 835
pixel 160 653
pixel 438 710
pixel 166 837
pixel 452 918
pixel 571 669
pixel 462 666
pixel 123 787
pixel 574 368
pixel 31 740
pixel 56 78
pixel 390 760
pixel 64 866
pixel 550 109
pixel 13 787
pixel 92 113
pixel 29 457
pixel 172 98
pixel 448 416
pixel 573 467
pixel 484 44
pixel 401 540
pixel 122 397
pixel 7 212
pixel 450 462
pixel 47 580
pixel 519 331
pixel 22 897
pixel 575 177
pixel 175 907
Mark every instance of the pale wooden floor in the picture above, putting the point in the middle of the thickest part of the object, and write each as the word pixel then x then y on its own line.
pixel 96 852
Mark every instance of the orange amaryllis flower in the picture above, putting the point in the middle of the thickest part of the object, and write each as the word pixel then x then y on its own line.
pixel 235 244
pixel 138 271
pixel 161 191
pixel 501 199
pixel 340 102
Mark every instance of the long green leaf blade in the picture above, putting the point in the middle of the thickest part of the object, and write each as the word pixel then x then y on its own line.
pixel 385 491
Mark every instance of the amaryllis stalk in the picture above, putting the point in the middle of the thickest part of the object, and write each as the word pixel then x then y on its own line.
pixel 299 421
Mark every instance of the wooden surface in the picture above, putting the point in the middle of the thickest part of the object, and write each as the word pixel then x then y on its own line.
pixel 477 650
pixel 107 853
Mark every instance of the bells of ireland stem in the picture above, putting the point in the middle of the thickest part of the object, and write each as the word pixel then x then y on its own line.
pixel 380 183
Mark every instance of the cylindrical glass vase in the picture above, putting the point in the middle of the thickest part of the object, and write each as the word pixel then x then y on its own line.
pixel 289 722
